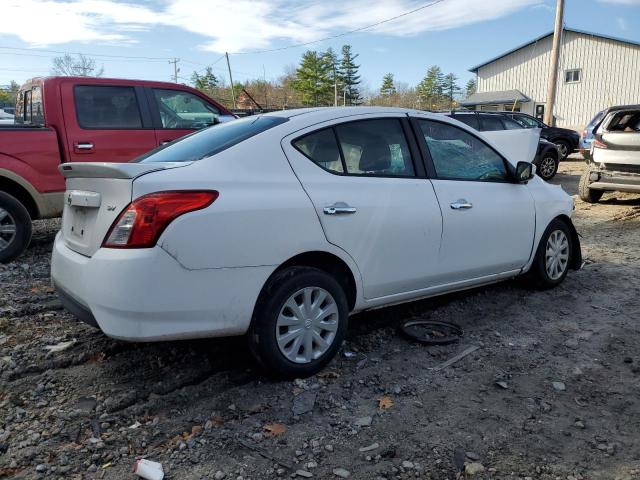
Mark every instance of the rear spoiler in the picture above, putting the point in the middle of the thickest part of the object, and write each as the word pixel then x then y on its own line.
pixel 114 170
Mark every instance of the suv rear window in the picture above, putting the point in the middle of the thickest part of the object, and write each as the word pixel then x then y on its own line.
pixel 212 140
pixel 627 121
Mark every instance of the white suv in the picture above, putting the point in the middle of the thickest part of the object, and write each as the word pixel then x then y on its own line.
pixel 281 225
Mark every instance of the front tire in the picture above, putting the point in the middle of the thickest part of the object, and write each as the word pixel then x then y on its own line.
pixel 299 322
pixel 585 193
pixel 563 149
pixel 15 228
pixel 548 166
pixel 553 257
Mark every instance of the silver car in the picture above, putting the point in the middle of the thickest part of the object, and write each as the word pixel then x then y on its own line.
pixel 615 155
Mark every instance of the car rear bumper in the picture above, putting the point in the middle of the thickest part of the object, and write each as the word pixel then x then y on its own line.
pixel 146 295
pixel 616 181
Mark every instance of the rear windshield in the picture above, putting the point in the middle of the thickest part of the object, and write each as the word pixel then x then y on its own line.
pixel 627 121
pixel 212 140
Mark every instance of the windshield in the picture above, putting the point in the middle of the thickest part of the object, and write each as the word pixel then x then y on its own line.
pixel 212 140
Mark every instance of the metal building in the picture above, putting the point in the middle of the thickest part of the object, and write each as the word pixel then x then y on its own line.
pixel 595 72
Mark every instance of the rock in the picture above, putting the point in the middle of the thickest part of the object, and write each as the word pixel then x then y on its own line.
pixel 219 475
pixel 41 468
pixel 579 424
pixel 363 421
pixel 559 386
pixel 407 464
pixel 502 384
pixel 304 473
pixel 371 447
pixel 341 472
pixel 304 403
pixel 328 448
pixel 473 468
pixel 472 456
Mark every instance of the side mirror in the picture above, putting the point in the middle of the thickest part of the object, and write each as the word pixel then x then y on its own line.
pixel 525 172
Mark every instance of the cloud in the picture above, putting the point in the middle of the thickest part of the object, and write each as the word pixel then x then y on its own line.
pixel 239 25
pixel 622 24
pixel 621 2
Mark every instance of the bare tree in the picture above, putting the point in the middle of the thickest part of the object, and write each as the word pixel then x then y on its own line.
pixel 79 66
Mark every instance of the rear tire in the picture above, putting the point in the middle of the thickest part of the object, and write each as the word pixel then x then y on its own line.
pixel 563 149
pixel 15 228
pixel 299 322
pixel 585 193
pixel 553 257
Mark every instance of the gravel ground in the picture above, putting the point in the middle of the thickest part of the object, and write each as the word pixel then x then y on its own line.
pixel 551 393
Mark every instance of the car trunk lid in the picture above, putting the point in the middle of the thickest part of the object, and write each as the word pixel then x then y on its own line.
pixel 96 194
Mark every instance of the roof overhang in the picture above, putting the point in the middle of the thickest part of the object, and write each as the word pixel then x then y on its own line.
pixel 489 98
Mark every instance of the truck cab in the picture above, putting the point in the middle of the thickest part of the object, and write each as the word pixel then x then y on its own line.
pixel 84 119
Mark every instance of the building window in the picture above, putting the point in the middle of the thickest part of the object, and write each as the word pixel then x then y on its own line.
pixel 572 76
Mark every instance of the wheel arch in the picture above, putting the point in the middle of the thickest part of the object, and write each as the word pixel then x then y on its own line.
pixel 20 193
pixel 576 257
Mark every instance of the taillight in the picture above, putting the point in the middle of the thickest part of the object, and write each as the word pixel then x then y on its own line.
pixel 142 222
pixel 599 144
pixel 585 133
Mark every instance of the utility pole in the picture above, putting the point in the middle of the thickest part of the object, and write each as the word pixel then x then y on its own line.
pixel 553 64
pixel 175 69
pixel 233 95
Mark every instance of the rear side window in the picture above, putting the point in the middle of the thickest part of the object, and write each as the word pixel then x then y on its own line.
pixel 180 109
pixel 491 123
pixel 29 109
pixel 106 107
pixel 511 124
pixel 212 140
pixel 367 147
pixel 471 120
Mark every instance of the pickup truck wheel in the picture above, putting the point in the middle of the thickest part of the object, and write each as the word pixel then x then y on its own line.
pixel 563 148
pixel 299 323
pixel 548 166
pixel 15 228
pixel 587 194
pixel 553 257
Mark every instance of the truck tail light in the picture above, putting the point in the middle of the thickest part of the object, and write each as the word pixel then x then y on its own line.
pixel 142 222
pixel 599 144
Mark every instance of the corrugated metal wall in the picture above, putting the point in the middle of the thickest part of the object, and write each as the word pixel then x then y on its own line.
pixel 610 75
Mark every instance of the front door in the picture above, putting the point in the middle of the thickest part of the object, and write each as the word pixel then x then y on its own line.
pixel 372 199
pixel 488 221
pixel 106 123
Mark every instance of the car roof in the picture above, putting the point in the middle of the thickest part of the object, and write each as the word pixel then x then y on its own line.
pixel 310 116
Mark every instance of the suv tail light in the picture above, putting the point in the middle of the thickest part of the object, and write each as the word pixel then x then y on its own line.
pixel 585 133
pixel 599 144
pixel 142 222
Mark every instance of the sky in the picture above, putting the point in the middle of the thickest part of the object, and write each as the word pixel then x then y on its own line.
pixel 137 38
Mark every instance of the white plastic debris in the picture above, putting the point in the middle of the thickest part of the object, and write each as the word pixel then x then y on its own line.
pixel 148 469
pixel 59 347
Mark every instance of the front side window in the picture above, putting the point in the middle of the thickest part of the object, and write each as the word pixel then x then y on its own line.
pixel 491 123
pixel 184 110
pixel 572 76
pixel 468 119
pixel 208 142
pixel 458 155
pixel 106 107
pixel 366 147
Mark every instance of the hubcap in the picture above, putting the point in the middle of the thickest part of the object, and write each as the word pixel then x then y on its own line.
pixel 563 149
pixel 557 254
pixel 7 229
pixel 547 166
pixel 307 325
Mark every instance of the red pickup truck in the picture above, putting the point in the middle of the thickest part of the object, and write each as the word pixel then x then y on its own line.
pixel 83 119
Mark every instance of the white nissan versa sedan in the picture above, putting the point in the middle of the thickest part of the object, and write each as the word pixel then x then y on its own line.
pixel 280 225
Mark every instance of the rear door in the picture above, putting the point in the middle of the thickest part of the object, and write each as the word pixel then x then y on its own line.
pixel 370 193
pixel 177 113
pixel 620 133
pixel 488 221
pixel 106 123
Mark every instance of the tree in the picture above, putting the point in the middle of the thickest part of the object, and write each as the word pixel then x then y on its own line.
pixel 388 88
pixel 313 80
pixel 451 87
pixel 471 87
pixel 207 82
pixel 350 77
pixel 335 77
pixel 79 66
pixel 431 87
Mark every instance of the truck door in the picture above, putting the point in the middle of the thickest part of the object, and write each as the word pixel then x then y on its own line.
pixel 106 123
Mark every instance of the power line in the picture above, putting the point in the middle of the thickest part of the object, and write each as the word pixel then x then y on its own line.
pixel 331 37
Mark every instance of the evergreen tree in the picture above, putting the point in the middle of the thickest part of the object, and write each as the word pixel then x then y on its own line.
pixel 335 77
pixel 388 88
pixel 350 77
pixel 312 79
pixel 471 87
pixel 451 87
pixel 431 87
pixel 205 82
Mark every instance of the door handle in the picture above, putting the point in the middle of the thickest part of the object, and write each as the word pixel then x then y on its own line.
pixel 84 146
pixel 338 208
pixel 461 204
